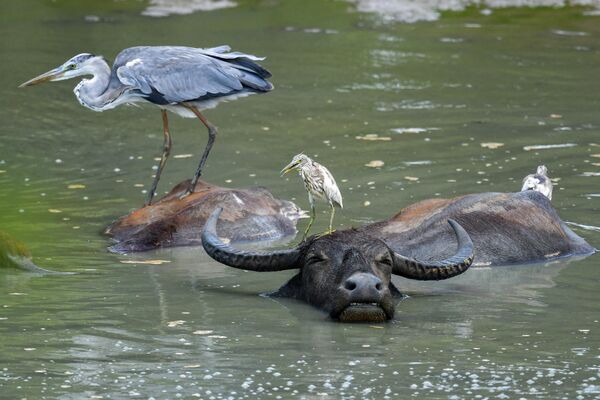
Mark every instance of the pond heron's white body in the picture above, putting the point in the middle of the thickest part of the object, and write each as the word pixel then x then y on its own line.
pixel 319 184
pixel 539 182
pixel 184 80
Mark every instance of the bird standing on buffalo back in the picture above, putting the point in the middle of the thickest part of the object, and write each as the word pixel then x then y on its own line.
pixel 539 182
pixel 319 183
pixel 184 80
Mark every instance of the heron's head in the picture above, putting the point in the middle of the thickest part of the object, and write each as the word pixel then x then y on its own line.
pixel 297 162
pixel 542 170
pixel 81 64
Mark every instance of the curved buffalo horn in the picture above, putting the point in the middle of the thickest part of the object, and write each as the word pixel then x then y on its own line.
pixel 438 270
pixel 251 261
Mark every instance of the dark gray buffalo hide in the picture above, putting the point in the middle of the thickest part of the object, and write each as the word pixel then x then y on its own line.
pixel 506 228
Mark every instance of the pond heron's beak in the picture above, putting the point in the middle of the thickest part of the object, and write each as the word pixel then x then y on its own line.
pixel 49 76
pixel 288 168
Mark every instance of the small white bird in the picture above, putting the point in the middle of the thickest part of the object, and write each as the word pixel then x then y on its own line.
pixel 539 182
pixel 319 183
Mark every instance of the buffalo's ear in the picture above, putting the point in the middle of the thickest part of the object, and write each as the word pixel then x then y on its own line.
pixel 292 289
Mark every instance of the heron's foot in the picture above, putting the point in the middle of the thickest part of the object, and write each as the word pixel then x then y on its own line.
pixel 327 232
pixel 187 192
pixel 149 200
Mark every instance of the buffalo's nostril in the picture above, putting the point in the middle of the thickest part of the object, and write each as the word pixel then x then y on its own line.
pixel 350 285
pixel 364 285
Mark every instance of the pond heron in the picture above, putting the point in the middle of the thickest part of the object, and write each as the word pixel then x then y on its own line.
pixel 184 80
pixel 539 182
pixel 319 183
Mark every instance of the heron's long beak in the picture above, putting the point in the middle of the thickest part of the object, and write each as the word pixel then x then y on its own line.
pixel 288 168
pixel 52 75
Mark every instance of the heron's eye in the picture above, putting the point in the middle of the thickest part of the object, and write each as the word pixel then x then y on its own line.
pixel 72 66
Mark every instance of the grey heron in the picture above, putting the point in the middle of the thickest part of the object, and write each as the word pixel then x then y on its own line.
pixel 184 80
pixel 539 182
pixel 319 183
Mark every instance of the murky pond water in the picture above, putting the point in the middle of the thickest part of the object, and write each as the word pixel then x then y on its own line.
pixel 434 91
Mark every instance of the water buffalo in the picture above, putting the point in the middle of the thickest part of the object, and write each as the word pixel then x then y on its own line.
pixel 506 228
pixel 348 273
pixel 251 214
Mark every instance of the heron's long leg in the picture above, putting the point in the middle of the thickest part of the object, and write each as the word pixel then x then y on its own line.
pixel 331 230
pixel 212 134
pixel 163 158
pixel 311 200
pixel 331 218
pixel 310 222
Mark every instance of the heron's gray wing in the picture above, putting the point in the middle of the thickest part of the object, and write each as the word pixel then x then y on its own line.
pixel 181 74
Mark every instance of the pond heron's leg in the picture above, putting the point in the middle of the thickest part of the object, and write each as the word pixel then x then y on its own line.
pixel 163 158
pixel 310 222
pixel 212 134
pixel 331 230
pixel 331 217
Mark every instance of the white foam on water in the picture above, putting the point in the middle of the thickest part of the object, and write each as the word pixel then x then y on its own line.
pixel 586 227
pixel 411 11
pixel 422 162
pixel 560 32
pixel 413 130
pixel 548 146
pixel 164 8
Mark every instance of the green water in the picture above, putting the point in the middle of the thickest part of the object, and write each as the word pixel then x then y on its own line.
pixel 193 328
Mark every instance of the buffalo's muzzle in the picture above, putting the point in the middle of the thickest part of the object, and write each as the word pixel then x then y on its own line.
pixel 368 299
pixel 364 288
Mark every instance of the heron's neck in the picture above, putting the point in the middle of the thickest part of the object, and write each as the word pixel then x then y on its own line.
pixel 92 93
pixel 306 167
pixel 304 171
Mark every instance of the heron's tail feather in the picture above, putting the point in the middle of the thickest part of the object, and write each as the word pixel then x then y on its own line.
pixel 256 82
pixel 252 66
pixel 241 61
pixel 220 49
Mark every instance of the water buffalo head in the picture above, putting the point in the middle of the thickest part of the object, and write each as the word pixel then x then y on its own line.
pixel 347 273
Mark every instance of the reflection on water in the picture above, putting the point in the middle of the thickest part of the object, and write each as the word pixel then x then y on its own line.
pixel 441 116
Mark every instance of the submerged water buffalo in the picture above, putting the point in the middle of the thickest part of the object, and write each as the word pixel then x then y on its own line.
pixel 251 214
pixel 348 273
pixel 506 228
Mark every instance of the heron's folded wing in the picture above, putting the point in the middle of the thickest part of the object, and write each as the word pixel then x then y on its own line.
pixel 181 73
pixel 331 189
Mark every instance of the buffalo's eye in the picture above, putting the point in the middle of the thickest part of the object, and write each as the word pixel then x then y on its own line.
pixel 315 258
pixel 385 260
